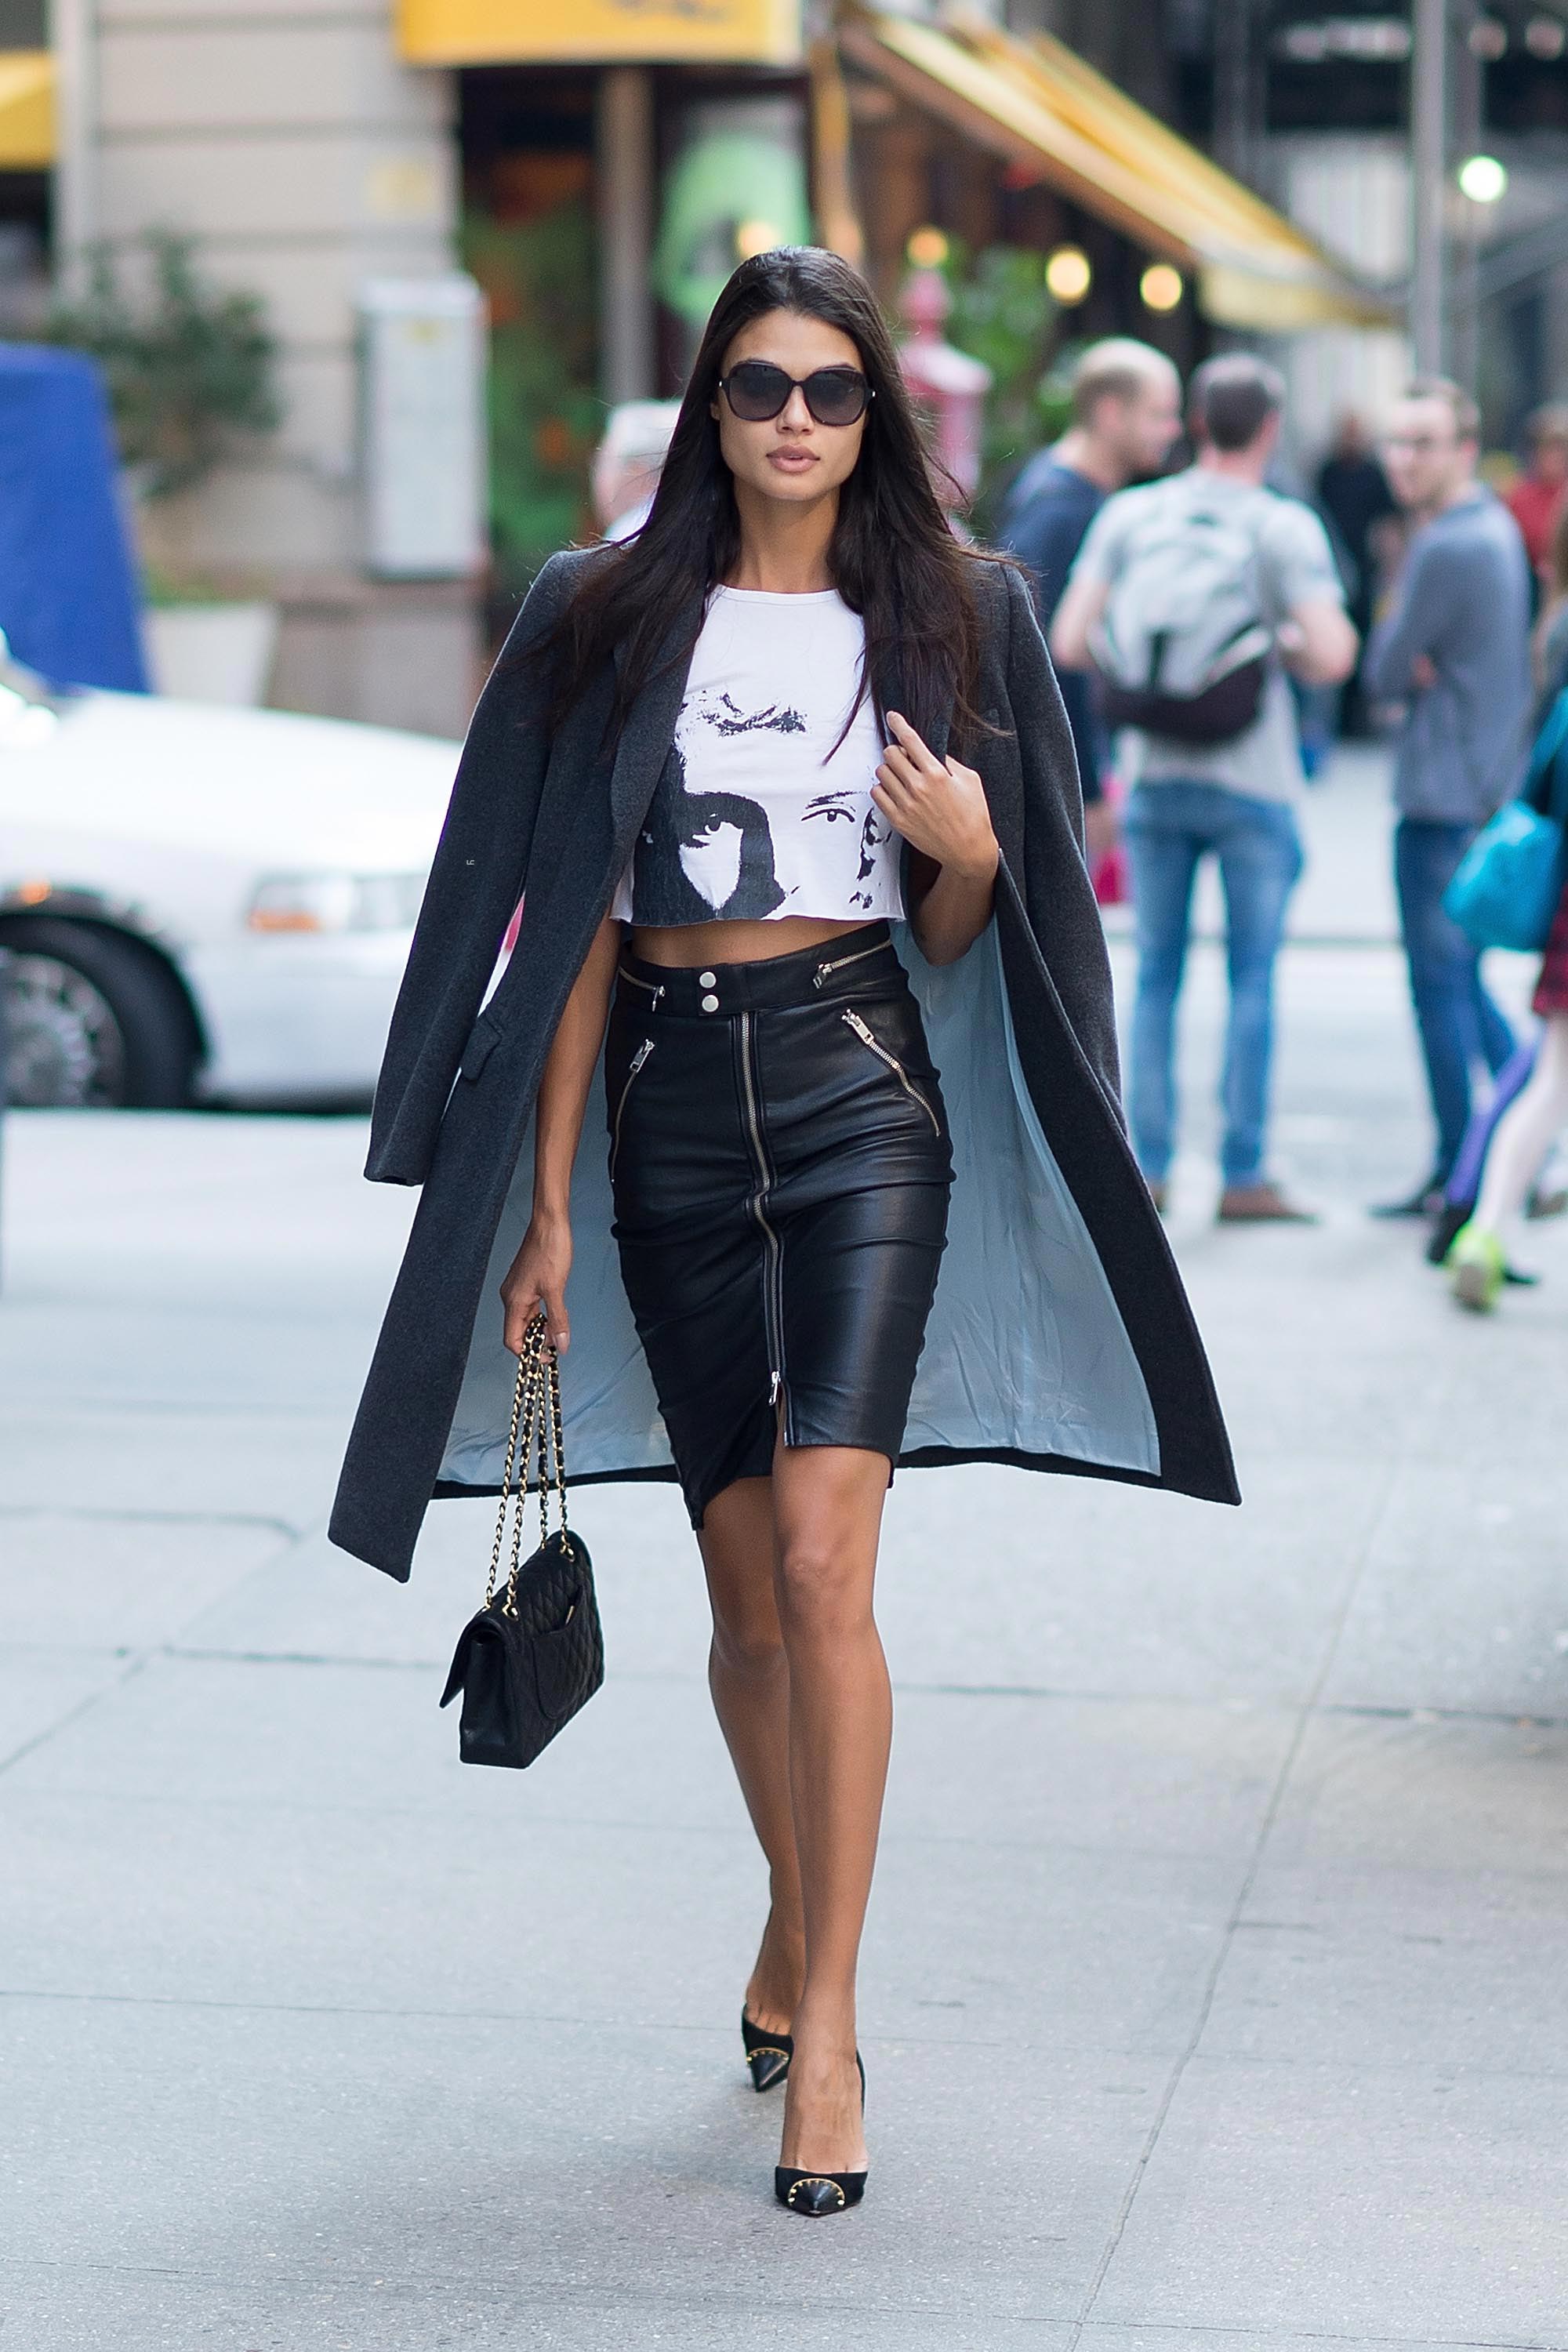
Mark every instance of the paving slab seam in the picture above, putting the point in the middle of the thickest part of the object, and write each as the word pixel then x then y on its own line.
pixel 1305 1716
pixel 916 1841
pixel 1095 2048
pixel 158 1409
pixel 297 1657
pixel 636 2027
pixel 549 2290
pixel 1360 2340
pixel 88 1514
pixel 13 1649
pixel 135 1663
pixel 1181 1701
pixel 1345 1707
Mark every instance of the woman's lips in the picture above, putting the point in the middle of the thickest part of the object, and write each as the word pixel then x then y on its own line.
pixel 792 461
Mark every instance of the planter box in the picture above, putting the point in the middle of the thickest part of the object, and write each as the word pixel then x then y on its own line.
pixel 211 653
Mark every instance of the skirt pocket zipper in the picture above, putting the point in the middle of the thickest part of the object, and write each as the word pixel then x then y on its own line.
pixel 638 1058
pixel 826 971
pixel 853 1021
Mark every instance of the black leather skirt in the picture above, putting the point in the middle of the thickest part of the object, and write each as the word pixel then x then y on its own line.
pixel 780 1160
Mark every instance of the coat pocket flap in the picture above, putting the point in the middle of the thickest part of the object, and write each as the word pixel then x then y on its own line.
pixel 483 1039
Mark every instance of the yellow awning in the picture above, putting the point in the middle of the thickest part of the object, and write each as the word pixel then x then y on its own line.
pixel 1041 106
pixel 27 110
pixel 592 32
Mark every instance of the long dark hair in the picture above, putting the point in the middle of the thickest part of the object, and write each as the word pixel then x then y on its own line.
pixel 893 558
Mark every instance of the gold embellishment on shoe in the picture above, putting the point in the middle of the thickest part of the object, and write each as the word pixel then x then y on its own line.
pixel 767 2049
pixel 818 2180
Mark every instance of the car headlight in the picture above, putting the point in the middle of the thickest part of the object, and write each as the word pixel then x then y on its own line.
pixel 335 902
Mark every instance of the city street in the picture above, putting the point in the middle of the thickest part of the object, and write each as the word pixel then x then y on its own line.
pixel 1213 1994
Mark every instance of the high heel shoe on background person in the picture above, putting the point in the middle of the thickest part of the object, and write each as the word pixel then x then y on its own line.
pixel 816 2194
pixel 767 2055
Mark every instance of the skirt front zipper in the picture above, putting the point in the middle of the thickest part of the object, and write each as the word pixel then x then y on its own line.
pixel 853 1021
pixel 772 1276
pixel 638 1058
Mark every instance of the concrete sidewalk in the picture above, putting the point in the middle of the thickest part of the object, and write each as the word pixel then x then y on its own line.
pixel 1213 1997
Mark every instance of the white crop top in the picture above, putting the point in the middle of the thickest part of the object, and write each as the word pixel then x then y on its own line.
pixel 752 819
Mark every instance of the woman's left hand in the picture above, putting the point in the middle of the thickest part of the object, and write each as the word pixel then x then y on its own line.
pixel 939 807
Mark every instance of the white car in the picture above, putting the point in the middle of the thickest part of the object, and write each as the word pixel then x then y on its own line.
pixel 204 904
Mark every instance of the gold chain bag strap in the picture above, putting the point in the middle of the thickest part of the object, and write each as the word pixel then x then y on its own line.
pixel 535 1653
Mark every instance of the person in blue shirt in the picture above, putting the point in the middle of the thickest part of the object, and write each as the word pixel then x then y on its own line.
pixel 1127 417
pixel 1452 649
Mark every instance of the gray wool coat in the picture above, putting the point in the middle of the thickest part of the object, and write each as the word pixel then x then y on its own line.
pixel 1060 1338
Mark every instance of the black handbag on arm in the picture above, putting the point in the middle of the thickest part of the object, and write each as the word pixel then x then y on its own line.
pixel 535 1651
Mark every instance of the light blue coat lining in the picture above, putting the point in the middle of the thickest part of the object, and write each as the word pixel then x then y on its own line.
pixel 1026 1350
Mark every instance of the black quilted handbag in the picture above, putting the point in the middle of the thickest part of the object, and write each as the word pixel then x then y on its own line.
pixel 535 1651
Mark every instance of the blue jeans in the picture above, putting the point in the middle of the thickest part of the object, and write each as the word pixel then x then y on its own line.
pixel 1458 1024
pixel 1170 826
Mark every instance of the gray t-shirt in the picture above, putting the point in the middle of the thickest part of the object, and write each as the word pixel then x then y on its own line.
pixel 1295 566
pixel 1463 602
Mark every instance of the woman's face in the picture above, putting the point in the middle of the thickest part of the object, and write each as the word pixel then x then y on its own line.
pixel 790 457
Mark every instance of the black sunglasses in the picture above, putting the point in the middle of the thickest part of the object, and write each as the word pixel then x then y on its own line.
pixel 756 391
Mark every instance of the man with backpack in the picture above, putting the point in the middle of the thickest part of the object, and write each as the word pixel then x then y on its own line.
pixel 1192 597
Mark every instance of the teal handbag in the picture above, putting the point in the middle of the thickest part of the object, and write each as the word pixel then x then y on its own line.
pixel 1507 886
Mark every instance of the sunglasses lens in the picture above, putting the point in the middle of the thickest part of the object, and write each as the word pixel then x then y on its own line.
pixel 756 391
pixel 835 395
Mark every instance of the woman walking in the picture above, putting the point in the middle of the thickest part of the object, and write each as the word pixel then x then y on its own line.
pixel 1478 1257
pixel 761 891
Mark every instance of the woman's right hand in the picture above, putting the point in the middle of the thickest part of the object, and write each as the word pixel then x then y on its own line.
pixel 537 1279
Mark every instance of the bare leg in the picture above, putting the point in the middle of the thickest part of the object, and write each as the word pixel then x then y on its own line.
pixel 1526 1132
pixel 827 1512
pixel 748 1674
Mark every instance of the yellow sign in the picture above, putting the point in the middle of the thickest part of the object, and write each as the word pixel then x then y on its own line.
pixel 588 32
pixel 27 110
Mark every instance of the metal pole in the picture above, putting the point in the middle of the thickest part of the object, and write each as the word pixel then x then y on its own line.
pixel 76 222
pixel 624 168
pixel 1234 97
pixel 1429 178
pixel 1464 118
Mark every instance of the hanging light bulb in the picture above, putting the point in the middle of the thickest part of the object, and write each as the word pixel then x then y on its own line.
pixel 1067 275
pixel 1483 179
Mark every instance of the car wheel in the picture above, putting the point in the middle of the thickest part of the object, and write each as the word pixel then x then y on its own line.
pixel 95 1022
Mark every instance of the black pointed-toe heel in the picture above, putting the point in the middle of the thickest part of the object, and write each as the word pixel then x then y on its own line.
pixel 767 2055
pixel 816 2194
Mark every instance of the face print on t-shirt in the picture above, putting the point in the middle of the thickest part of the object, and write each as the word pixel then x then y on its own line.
pixel 724 843
pixel 842 807
pixel 761 811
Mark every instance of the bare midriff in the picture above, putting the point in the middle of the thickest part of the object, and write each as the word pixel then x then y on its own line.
pixel 690 946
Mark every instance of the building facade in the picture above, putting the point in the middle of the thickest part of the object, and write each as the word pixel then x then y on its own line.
pixel 598 168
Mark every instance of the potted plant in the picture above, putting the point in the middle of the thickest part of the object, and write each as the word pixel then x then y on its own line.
pixel 189 369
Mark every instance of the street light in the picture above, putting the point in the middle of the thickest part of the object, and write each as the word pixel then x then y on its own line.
pixel 1160 286
pixel 1067 275
pixel 1483 179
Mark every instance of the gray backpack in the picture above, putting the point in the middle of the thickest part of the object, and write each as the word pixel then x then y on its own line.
pixel 1183 648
